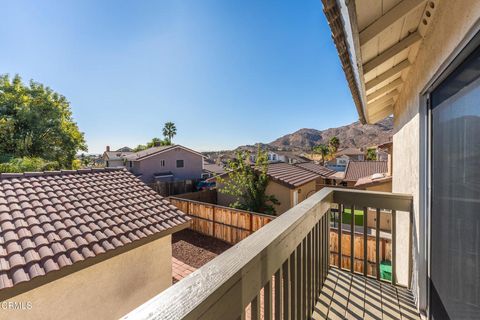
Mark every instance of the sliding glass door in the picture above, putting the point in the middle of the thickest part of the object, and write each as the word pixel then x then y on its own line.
pixel 455 194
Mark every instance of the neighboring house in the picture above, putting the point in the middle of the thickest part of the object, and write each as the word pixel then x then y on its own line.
pixel 359 169
pixel 354 154
pixel 291 157
pixel 86 244
pixel 375 182
pixel 211 170
pixel 426 74
pixel 290 184
pixel 379 181
pixel 272 156
pixel 166 163
pixel 125 149
pixel 114 159
pixel 326 174
pixel 281 156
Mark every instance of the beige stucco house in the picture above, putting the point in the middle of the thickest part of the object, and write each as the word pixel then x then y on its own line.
pixel 289 183
pixel 86 244
pixel 419 61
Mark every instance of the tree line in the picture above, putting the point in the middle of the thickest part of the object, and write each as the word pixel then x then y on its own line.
pixel 37 131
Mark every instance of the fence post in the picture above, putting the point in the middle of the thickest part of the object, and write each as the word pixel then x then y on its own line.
pixel 251 223
pixel 214 218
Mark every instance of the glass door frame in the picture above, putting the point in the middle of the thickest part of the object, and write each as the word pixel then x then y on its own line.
pixel 465 47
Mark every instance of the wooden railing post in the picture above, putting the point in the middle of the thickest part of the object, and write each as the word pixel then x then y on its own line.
pixel 340 223
pixel 394 246
pixel 377 245
pixel 365 241
pixel 352 239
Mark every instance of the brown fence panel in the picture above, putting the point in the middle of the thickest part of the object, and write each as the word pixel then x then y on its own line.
pixel 227 224
pixel 385 250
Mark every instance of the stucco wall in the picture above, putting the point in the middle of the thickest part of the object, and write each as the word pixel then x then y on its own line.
pixel 283 194
pixel 107 290
pixel 451 23
pixel 193 165
pixel 385 187
pixel 115 163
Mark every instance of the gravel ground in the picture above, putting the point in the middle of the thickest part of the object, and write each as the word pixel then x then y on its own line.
pixel 196 249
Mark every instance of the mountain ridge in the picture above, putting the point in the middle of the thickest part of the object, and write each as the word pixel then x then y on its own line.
pixel 353 135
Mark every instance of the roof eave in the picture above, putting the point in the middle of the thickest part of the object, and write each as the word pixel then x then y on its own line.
pixel 342 21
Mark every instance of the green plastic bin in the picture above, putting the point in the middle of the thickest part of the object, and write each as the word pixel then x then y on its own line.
pixel 386 270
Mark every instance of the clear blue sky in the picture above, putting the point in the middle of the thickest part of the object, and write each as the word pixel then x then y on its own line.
pixel 227 73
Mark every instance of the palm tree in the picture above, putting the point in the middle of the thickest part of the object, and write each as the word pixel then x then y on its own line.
pixel 169 131
pixel 333 144
pixel 322 150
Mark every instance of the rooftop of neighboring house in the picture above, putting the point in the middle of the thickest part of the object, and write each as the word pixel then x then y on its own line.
pixel 68 220
pixel 350 152
pixel 290 175
pixel 292 155
pixel 116 155
pixel 213 168
pixel 317 168
pixel 359 169
pixel 125 149
pixel 372 180
pixel 140 155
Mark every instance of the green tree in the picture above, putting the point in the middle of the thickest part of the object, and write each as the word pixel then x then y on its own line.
pixel 333 144
pixel 140 147
pixel 371 154
pixel 322 150
pixel 248 184
pixel 169 131
pixel 155 142
pixel 26 164
pixel 36 122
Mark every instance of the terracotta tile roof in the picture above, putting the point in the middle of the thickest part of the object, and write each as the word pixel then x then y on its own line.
pixel 321 170
pixel 53 220
pixel 290 175
pixel 350 152
pixel 359 169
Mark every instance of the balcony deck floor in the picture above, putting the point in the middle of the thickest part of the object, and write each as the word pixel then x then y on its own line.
pixel 352 296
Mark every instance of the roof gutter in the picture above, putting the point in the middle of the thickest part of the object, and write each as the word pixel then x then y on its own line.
pixel 342 21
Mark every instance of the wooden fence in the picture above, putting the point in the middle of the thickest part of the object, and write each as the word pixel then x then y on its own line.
pixel 208 196
pixel 385 251
pixel 227 224
pixel 170 188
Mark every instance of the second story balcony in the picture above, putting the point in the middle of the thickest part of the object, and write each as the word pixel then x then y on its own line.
pixel 323 259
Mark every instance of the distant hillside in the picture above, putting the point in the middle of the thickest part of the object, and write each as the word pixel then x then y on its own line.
pixel 353 135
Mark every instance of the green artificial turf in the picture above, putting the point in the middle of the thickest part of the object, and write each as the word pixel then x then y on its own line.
pixel 347 217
